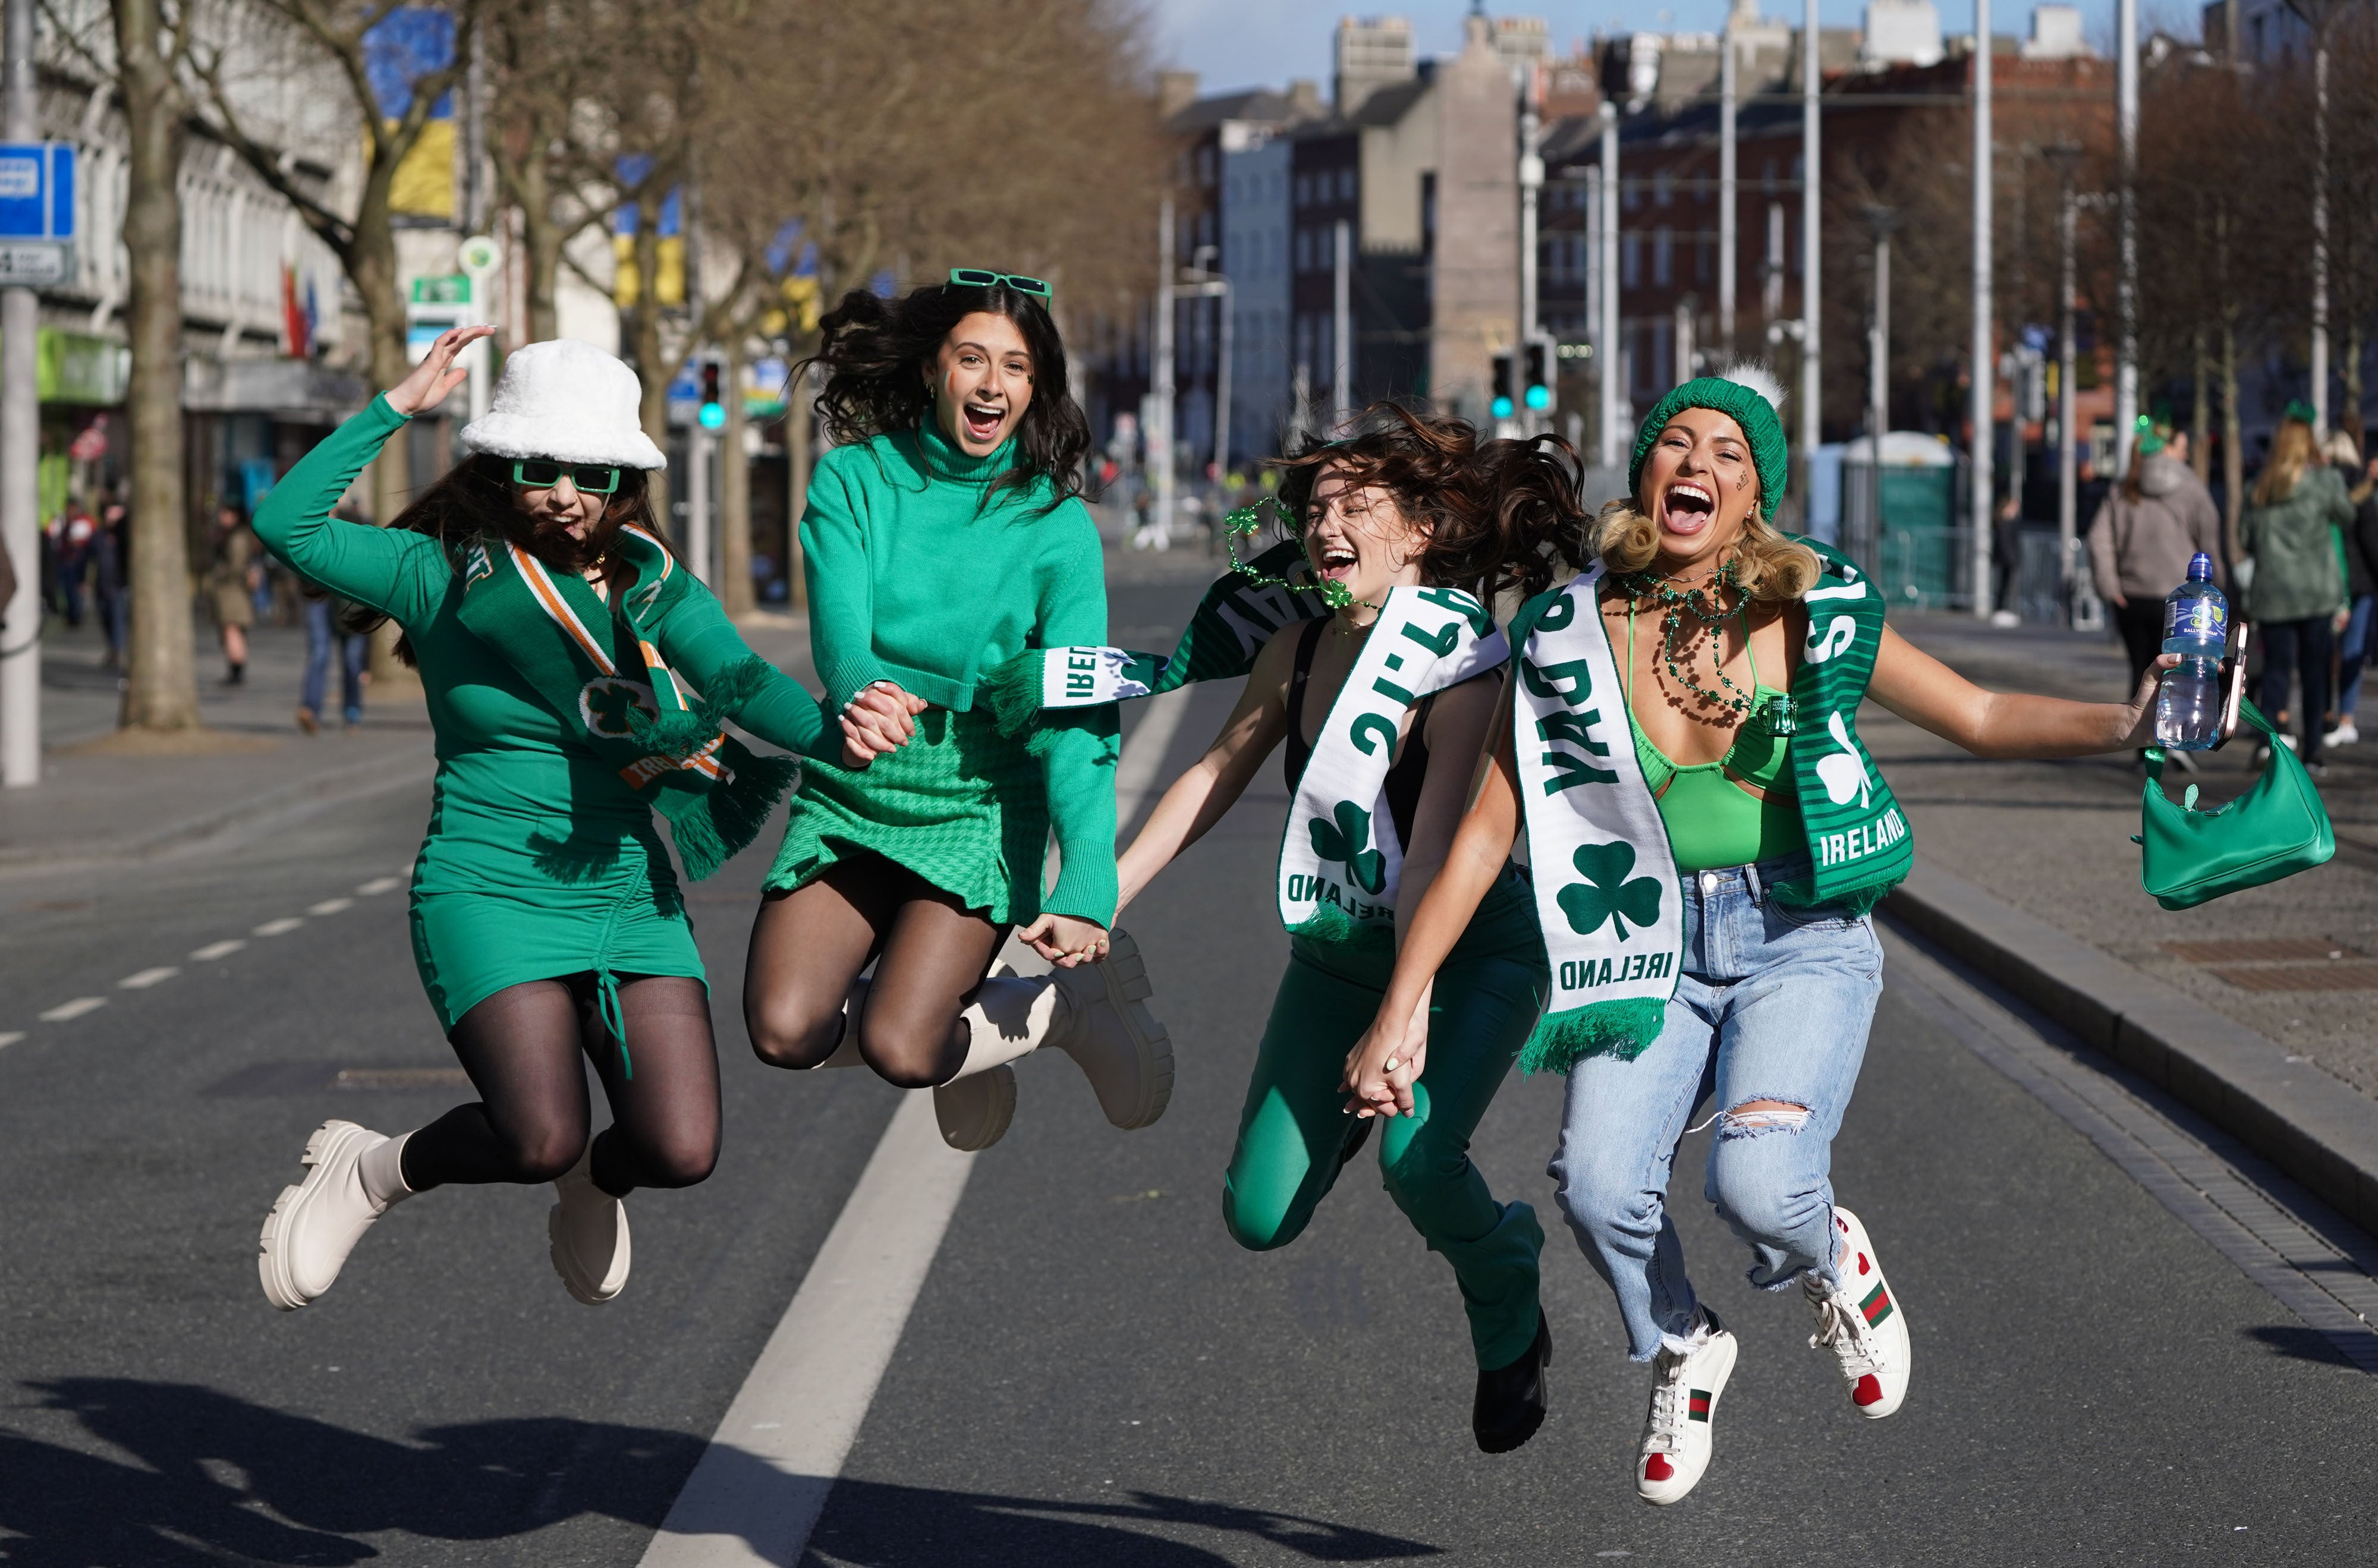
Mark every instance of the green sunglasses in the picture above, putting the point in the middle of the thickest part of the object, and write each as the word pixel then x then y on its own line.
pixel 976 278
pixel 543 473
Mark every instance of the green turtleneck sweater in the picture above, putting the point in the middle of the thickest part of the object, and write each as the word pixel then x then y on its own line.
pixel 919 573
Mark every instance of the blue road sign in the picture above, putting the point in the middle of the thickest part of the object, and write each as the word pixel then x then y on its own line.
pixel 37 190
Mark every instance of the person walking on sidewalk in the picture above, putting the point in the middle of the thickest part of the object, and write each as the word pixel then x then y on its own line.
pixel 2360 638
pixel 2295 593
pixel 231 589
pixel 110 585
pixel 1419 525
pixel 577 679
pixel 1707 835
pixel 328 637
pixel 946 535
pixel 2141 540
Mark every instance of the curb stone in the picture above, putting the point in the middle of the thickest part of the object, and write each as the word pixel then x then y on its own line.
pixel 2321 1132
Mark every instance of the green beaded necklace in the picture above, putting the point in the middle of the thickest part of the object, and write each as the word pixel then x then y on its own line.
pixel 1705 607
pixel 1237 525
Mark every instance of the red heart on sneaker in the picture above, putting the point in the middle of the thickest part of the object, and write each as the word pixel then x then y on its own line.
pixel 1657 1468
pixel 1862 1263
pixel 1869 1390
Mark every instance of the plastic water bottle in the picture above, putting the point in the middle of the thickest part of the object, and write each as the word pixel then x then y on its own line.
pixel 2195 627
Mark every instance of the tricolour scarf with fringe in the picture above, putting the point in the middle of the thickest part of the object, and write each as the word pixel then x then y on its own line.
pixel 601 674
pixel 1339 857
pixel 1606 881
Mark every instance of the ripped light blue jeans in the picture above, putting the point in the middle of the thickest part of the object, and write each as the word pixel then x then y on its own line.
pixel 1772 1004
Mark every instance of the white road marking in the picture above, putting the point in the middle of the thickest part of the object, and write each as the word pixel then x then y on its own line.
pixel 213 950
pixel 145 978
pixel 379 885
pixel 67 1011
pixel 758 1490
pixel 331 906
pixel 287 923
pixel 10 1037
pixel 760 1485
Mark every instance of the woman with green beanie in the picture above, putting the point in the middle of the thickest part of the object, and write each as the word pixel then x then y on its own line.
pixel 577 677
pixel 1707 835
pixel 1412 527
pixel 946 536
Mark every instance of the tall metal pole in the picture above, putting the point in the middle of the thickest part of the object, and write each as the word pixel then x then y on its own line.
pixel 1342 330
pixel 2319 226
pixel 1595 283
pixel 1877 390
pixel 1531 183
pixel 1614 417
pixel 1727 241
pixel 1812 294
pixel 2126 100
pixel 1230 307
pixel 1984 411
pixel 2068 440
pixel 1158 434
pixel 20 453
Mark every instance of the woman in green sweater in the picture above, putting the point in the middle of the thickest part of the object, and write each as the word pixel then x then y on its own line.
pixel 576 677
pixel 944 537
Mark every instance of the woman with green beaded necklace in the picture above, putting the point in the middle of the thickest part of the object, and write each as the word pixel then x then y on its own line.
pixel 1736 783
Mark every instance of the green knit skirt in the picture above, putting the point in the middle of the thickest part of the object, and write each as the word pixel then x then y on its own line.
pixel 960 805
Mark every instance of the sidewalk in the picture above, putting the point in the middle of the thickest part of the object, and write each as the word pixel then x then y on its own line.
pixel 2257 1008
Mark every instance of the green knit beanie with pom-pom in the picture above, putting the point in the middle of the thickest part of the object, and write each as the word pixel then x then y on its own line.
pixel 1746 394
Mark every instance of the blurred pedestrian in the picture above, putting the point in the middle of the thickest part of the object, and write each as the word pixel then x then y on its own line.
pixel 230 585
pixel 2295 590
pixel 327 618
pixel 2006 560
pixel 70 557
pixel 110 584
pixel 2362 593
pixel 2141 540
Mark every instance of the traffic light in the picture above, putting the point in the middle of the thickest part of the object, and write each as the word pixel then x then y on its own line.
pixel 1502 369
pixel 1540 376
pixel 714 412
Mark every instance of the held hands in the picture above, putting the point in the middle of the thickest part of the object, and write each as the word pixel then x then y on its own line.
pixel 436 375
pixel 1387 1061
pixel 877 722
pixel 1066 942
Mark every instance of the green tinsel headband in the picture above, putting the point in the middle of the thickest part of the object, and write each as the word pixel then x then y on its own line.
pixel 1746 394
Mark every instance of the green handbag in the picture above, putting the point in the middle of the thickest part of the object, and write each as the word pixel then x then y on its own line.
pixel 2278 828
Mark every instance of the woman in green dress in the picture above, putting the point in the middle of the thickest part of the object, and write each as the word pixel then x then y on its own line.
pixel 576 677
pixel 946 536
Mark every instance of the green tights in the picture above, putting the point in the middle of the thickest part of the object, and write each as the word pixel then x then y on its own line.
pixel 1294 1135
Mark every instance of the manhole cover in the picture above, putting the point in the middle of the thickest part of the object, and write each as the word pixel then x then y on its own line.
pixel 2280 950
pixel 2304 977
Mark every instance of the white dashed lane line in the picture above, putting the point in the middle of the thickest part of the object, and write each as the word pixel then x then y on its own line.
pixel 10 1037
pixel 72 1009
pixel 379 885
pixel 145 978
pixel 213 950
pixel 280 928
pixel 331 906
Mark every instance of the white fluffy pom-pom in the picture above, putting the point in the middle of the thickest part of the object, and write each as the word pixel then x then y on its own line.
pixel 1759 378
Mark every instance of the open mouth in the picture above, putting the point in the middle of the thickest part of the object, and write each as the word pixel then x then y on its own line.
pixel 982 421
pixel 1334 560
pixel 1686 508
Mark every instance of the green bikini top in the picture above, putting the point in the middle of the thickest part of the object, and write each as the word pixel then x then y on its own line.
pixel 1712 817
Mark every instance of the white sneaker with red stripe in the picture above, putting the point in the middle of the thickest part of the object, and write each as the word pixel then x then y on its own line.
pixel 1862 1323
pixel 1677 1436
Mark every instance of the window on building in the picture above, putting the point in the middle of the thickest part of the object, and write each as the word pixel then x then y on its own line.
pixel 1662 188
pixel 1663 354
pixel 1704 260
pixel 1345 184
pixel 1303 250
pixel 1631 193
pixel 1664 263
pixel 1630 259
pixel 1766 176
pixel 1304 184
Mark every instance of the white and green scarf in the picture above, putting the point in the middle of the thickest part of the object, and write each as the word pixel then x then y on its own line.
pixel 1339 857
pixel 1605 881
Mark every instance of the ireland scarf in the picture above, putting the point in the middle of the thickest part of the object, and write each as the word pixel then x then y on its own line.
pixel 1605 881
pixel 1340 860
pixel 603 675
pixel 1236 617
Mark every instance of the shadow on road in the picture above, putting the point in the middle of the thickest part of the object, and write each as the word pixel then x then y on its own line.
pixel 214 1476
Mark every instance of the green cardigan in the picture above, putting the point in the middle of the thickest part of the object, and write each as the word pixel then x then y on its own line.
pixel 920 573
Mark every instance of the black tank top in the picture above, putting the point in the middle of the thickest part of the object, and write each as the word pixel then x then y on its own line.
pixel 1411 765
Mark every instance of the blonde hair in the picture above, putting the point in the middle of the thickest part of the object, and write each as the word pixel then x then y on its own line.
pixel 2291 448
pixel 1768 567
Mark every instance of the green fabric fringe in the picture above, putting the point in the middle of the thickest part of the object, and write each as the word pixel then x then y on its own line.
pixel 1332 926
pixel 1623 1029
pixel 1011 692
pixel 680 736
pixel 712 826
pixel 1859 902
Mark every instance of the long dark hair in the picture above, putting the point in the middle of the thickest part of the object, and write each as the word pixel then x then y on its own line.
pixel 475 500
pixel 876 351
pixel 1500 514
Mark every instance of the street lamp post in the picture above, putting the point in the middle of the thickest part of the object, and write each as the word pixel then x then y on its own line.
pixel 1866 548
pixel 1812 182
pixel 20 451
pixel 1532 183
pixel 1158 436
pixel 1613 418
pixel 1207 282
pixel 2317 14
pixel 1984 411
pixel 1727 241
pixel 2126 94
pixel 2064 157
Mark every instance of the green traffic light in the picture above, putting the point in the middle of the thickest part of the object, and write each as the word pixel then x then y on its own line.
pixel 1502 408
pixel 713 416
pixel 1539 398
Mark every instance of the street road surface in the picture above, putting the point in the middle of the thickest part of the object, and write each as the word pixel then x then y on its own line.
pixel 1092 1373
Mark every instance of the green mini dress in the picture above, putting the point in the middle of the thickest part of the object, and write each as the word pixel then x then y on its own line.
pixel 539 861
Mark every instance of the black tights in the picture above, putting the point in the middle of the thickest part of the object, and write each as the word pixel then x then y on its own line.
pixel 522 1047
pixel 808 946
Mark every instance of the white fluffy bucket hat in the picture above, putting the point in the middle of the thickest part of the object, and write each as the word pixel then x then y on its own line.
pixel 568 400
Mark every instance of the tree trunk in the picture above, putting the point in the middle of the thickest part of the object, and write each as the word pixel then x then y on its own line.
pixel 796 471
pixel 162 690
pixel 2233 444
pixel 734 487
pixel 372 267
pixel 2200 423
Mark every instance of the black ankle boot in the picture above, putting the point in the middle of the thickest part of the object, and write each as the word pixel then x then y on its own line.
pixel 1510 1402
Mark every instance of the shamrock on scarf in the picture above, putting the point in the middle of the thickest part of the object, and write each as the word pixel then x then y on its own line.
pixel 604 703
pixel 1606 894
pixel 1345 843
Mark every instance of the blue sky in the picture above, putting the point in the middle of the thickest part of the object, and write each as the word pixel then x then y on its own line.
pixel 1248 42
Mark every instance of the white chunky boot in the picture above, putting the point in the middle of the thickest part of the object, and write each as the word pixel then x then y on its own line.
pixel 1108 1031
pixel 588 1234
pixel 316 1224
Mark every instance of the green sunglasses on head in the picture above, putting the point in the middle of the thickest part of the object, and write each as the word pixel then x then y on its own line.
pixel 543 473
pixel 976 278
